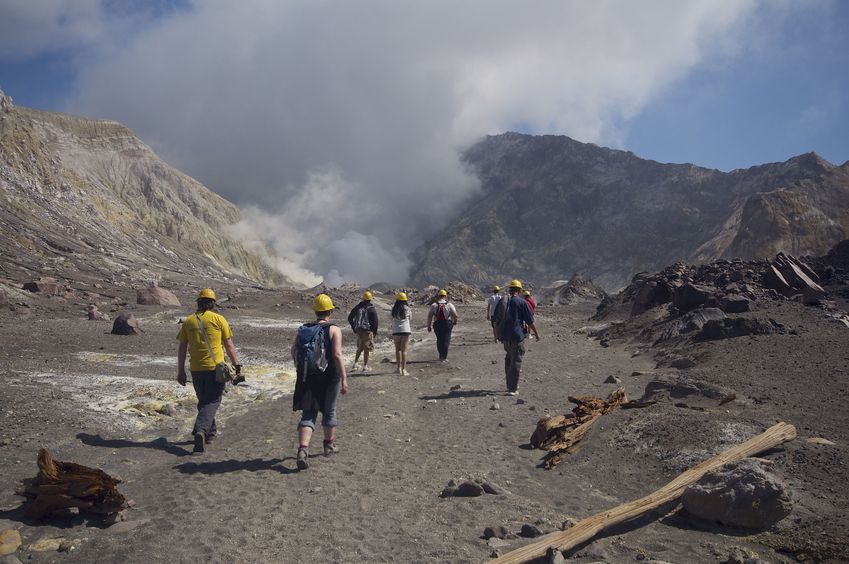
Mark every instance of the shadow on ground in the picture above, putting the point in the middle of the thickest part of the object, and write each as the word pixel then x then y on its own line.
pixel 225 466
pixel 158 444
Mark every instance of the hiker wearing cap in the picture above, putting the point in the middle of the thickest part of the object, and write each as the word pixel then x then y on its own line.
pixel 517 316
pixel 363 321
pixel 441 319
pixel 321 377
pixel 491 305
pixel 205 336
pixel 402 317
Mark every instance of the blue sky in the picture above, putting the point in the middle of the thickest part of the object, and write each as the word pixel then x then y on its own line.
pixel 788 98
pixel 354 113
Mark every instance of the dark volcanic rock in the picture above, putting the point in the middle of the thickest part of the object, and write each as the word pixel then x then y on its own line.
pixel 739 327
pixel 125 324
pixel 691 296
pixel 735 304
pixel 469 489
pixel 4 298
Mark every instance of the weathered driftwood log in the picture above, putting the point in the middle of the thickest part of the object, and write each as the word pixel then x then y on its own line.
pixel 586 529
pixel 59 485
pixel 561 434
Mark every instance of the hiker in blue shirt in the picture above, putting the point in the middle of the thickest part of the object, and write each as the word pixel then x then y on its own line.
pixel 517 316
pixel 317 388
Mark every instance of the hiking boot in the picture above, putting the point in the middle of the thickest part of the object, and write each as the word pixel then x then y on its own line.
pixel 209 438
pixel 513 393
pixel 302 462
pixel 404 372
pixel 355 367
pixel 330 448
pixel 366 369
pixel 199 443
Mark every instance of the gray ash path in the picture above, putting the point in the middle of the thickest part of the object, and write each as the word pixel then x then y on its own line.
pixel 401 440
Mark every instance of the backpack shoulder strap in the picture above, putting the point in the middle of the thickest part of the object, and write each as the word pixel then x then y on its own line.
pixel 205 336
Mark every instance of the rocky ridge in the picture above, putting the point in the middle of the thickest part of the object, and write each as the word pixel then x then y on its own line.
pixel 552 205
pixel 86 200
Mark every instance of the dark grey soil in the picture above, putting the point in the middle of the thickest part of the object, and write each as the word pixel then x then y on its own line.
pixel 402 439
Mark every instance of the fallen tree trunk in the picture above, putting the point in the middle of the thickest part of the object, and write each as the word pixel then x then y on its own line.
pixel 586 529
pixel 60 485
pixel 561 435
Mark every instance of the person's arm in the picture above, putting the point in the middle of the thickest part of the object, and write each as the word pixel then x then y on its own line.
pixel 429 319
pixel 533 329
pixel 489 310
pixel 351 317
pixel 453 314
pixel 231 351
pixel 294 350
pixel 181 362
pixel 336 352
pixel 529 321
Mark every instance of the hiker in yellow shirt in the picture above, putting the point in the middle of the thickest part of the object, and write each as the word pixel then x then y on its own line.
pixel 205 335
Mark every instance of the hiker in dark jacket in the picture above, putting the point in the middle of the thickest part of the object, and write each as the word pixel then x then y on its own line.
pixel 363 321
pixel 442 317
pixel 517 317
pixel 316 392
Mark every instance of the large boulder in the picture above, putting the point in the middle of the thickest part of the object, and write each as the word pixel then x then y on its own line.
pixel 125 324
pixel 735 304
pixel 742 495
pixel 690 296
pixel 94 314
pixel 691 321
pixel 154 295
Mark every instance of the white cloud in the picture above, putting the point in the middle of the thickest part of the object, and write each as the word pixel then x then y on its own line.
pixel 339 117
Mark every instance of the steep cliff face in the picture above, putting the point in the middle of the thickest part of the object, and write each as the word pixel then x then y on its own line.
pixel 89 197
pixel 552 206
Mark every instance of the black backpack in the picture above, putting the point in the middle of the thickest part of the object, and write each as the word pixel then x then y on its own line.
pixel 361 322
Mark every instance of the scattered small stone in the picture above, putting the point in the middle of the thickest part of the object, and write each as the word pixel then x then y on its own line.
pixel 496 542
pixel 636 373
pixel 613 380
pixel 520 401
pixel 495 407
pixel 554 556
pixel 455 387
pixel 495 532
pixel 567 524
pixel 530 531
pixel 495 554
pixel 385 360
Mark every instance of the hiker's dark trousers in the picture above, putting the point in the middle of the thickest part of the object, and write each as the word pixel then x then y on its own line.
pixel 209 398
pixel 442 329
pixel 513 363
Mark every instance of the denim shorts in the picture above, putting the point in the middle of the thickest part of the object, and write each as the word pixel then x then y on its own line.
pixel 328 418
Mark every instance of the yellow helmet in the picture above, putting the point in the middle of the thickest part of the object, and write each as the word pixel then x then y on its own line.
pixel 367 296
pixel 442 293
pixel 496 288
pixel 402 297
pixel 206 294
pixel 515 284
pixel 322 302
pixel 526 293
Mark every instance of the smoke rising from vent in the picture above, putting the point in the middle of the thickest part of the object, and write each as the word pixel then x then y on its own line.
pixel 338 126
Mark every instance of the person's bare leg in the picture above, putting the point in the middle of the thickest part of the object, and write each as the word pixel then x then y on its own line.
pixel 365 358
pixel 398 363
